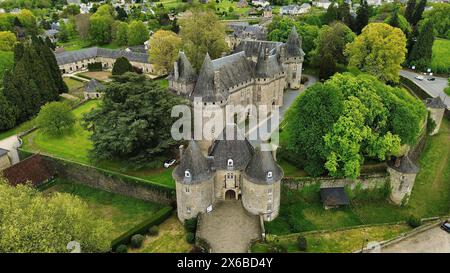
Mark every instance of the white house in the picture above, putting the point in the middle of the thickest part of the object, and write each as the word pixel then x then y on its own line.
pixel 322 4
pixel 295 9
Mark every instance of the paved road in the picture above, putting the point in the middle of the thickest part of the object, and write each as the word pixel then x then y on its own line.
pixel 433 88
pixel 434 240
pixel 229 228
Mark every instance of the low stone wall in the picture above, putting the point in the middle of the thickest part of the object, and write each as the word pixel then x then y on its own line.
pixel 372 181
pixel 111 181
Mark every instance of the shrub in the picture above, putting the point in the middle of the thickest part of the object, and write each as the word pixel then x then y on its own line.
pixel 190 224
pixel 122 249
pixel 431 124
pixel 302 244
pixel 153 231
pixel 277 248
pixel 190 237
pixel 97 66
pixel 197 249
pixel 137 240
pixel 414 221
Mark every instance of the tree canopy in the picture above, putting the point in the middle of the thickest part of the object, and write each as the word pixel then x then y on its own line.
pixel 7 40
pixel 133 122
pixel 55 118
pixel 379 50
pixel 100 25
pixel 137 33
pixel 439 15
pixel 164 48
pixel 31 222
pixel 336 125
pixel 420 55
pixel 121 66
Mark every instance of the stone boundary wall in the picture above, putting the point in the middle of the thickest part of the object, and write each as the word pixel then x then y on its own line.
pixel 111 181
pixel 372 181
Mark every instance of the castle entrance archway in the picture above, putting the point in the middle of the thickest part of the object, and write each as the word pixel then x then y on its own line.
pixel 230 195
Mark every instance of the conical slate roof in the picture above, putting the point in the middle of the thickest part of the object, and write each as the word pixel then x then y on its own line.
pixel 196 163
pixel 436 103
pixel 235 147
pixel 206 87
pixel 405 165
pixel 185 70
pixel 294 44
pixel 267 65
pixel 260 165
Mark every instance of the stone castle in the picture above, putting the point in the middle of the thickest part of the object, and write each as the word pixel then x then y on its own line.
pixel 256 73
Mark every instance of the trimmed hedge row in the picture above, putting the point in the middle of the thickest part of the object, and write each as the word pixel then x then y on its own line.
pixel 142 228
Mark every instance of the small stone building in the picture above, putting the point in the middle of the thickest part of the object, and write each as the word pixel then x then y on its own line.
pixel 5 162
pixel 232 169
pixel 403 174
pixel 436 107
pixel 334 197
pixel 93 89
pixel 78 60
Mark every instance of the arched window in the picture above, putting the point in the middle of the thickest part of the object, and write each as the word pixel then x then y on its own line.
pixel 230 162
pixel 187 173
pixel 269 175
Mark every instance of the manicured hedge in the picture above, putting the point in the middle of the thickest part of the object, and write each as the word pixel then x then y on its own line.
pixel 142 228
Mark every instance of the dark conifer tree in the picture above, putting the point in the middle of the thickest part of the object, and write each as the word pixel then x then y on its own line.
pixel 409 12
pixel 121 66
pixel 394 20
pixel 362 16
pixel 422 50
pixel 418 12
pixel 332 14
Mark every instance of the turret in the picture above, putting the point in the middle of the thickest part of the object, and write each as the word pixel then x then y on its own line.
pixel 436 107
pixel 194 183
pixel 182 78
pixel 403 174
pixel 293 60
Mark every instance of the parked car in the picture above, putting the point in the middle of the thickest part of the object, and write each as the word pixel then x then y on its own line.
pixel 446 226
pixel 169 163
pixel 419 77
pixel 431 78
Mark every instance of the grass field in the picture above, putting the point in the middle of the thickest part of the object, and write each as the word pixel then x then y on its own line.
pixel 77 44
pixel 338 241
pixel 303 211
pixel 170 239
pixel 123 212
pixel 98 75
pixel 440 61
pixel 75 146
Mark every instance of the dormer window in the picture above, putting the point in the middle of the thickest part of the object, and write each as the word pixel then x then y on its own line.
pixel 269 175
pixel 187 174
pixel 230 162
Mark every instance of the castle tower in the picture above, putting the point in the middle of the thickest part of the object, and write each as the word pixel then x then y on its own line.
pixel 293 60
pixel 194 183
pixel 403 174
pixel 261 185
pixel 213 100
pixel 182 78
pixel 270 79
pixel 436 107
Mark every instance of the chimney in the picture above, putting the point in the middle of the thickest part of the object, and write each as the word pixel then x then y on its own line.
pixel 181 148
pixel 175 70
pixel 216 80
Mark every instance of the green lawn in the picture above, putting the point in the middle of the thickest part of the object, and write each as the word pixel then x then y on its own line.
pixel 124 212
pixel 75 146
pixel 77 44
pixel 440 61
pixel 337 241
pixel 302 210
pixel 72 84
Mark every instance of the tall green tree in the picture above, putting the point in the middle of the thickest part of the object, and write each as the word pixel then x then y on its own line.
pixel 332 13
pixel 32 222
pixel 394 20
pixel 422 50
pixel 55 118
pixel 417 16
pixel 133 122
pixel 440 16
pixel 121 34
pixel 7 114
pixel 121 66
pixel 362 16
pixel 202 33
pixel 409 11
pixel 137 33
pixel 100 25
pixel 379 50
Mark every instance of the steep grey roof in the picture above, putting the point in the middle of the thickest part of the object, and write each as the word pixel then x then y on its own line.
pixel 185 70
pixel 260 165
pixel 249 31
pixel 334 196
pixel 206 87
pixel 233 70
pixel 92 52
pixel 405 165
pixel 435 103
pixel 252 48
pixel 3 152
pixel 294 45
pixel 267 65
pixel 231 145
pixel 93 86
pixel 196 163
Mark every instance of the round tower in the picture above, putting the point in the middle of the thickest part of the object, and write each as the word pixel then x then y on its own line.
pixel 403 174
pixel 261 185
pixel 436 107
pixel 293 61
pixel 194 182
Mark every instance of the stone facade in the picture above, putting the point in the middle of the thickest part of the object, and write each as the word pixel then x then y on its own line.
pixel 436 108
pixel 232 170
pixel 403 174
pixel 4 159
